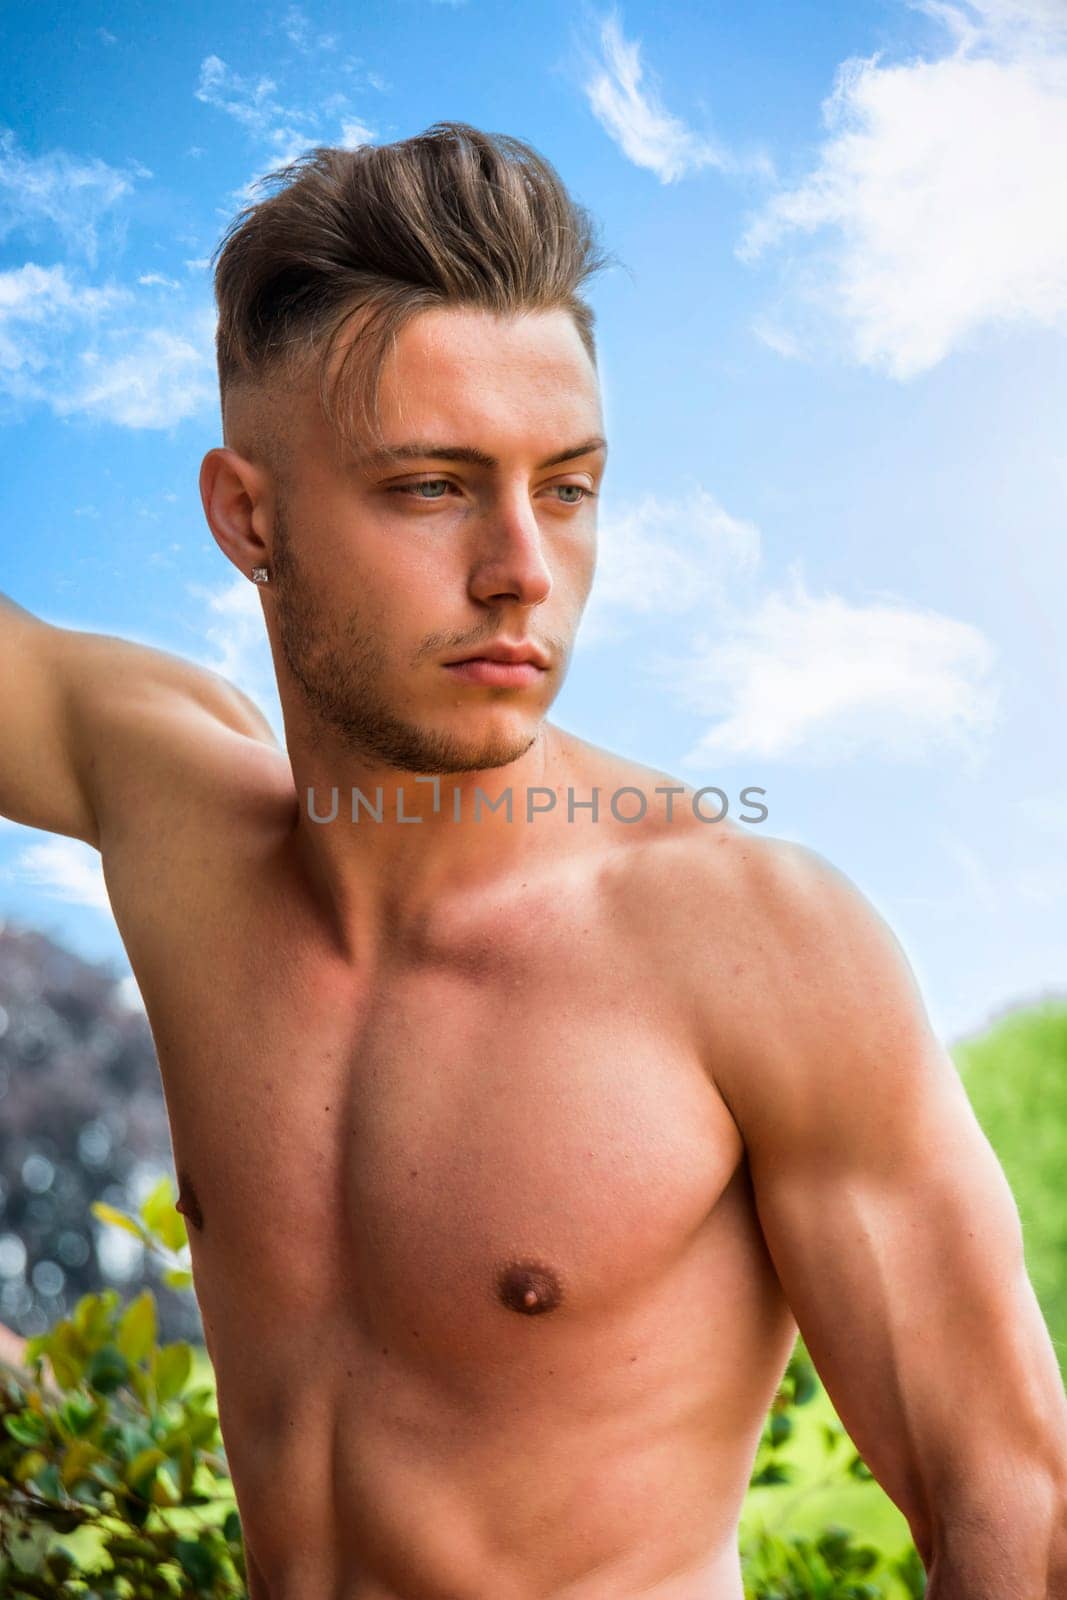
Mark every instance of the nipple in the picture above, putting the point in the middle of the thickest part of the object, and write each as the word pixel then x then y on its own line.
pixel 187 1203
pixel 529 1287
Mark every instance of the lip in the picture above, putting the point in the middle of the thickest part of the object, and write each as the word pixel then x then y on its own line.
pixel 505 650
pixel 502 674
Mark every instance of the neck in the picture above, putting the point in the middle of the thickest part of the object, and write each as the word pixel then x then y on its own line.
pixel 381 845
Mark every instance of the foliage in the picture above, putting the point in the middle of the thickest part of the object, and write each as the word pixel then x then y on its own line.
pixel 1015 1075
pixel 833 1564
pixel 116 1441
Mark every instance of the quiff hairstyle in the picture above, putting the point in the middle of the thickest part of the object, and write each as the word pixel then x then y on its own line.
pixel 450 217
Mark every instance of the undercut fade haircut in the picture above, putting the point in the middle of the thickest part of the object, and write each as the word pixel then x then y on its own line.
pixel 451 217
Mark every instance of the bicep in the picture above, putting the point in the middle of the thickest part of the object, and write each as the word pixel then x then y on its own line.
pixel 887 1215
pixel 91 723
pixel 39 784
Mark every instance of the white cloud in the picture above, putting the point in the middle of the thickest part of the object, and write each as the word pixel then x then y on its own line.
pixel 287 132
pixel 237 644
pixel 354 133
pixel 57 349
pixel 39 305
pixel 156 378
pixel 67 869
pixel 817 678
pixel 158 279
pixel 633 114
pixel 1005 23
pixel 60 192
pixel 299 32
pixel 937 195
pixel 250 103
pixel 663 558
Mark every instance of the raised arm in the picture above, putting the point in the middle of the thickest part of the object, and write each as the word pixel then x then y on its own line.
pixel 897 1240
pixel 81 713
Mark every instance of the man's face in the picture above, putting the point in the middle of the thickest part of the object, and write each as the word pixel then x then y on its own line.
pixel 383 571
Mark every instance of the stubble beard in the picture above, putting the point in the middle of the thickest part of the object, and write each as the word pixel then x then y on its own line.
pixel 341 668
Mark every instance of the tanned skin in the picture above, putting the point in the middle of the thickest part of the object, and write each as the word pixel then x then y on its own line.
pixel 514 1153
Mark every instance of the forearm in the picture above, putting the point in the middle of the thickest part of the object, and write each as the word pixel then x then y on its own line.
pixel 1008 1544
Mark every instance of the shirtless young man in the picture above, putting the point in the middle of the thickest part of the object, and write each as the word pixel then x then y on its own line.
pixel 513 1152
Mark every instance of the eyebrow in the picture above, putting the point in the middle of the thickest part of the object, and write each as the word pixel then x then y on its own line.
pixel 421 449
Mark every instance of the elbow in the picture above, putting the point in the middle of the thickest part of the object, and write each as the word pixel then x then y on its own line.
pixel 1008 1525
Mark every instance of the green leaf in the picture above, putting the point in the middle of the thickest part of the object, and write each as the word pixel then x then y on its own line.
pixel 92 1318
pixel 160 1216
pixel 805 1383
pixel 118 1219
pixel 202 1429
pixel 197 1561
pixel 77 1460
pixel 171 1366
pixel 59 1563
pixel 137 1327
pixel 107 1369
pixel 781 1428
pixel 76 1416
pixel 67 1353
pixel 29 1465
pixel 28 1427
pixel 178 1278
pixel 142 1469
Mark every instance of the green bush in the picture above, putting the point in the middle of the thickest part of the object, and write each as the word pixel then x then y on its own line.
pixel 115 1452
pixel 780 1563
pixel 1015 1075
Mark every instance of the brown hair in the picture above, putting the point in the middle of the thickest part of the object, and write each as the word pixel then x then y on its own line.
pixel 452 216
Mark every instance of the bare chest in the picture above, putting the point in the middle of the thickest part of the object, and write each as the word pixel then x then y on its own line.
pixel 495 1129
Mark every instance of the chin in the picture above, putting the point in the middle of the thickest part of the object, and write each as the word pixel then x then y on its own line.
pixel 494 748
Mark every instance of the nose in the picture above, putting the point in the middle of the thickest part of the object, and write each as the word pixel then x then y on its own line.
pixel 511 561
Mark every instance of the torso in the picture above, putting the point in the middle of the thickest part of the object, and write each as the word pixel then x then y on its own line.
pixel 481 1276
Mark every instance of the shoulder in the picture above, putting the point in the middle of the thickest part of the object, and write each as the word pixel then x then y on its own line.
pixel 777 952
pixel 154 734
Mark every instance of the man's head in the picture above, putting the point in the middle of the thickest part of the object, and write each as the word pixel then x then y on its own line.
pixel 425 291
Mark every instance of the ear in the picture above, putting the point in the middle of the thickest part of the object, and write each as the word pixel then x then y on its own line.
pixel 237 497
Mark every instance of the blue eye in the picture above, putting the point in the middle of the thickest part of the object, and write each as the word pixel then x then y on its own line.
pixel 423 483
pixel 414 490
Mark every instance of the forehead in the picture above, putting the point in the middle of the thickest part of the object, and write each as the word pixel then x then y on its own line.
pixel 477 376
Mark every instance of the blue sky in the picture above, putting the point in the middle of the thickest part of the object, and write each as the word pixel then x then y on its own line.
pixel 832 560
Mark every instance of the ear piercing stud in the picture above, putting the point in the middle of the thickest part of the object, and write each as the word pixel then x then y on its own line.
pixel 260 574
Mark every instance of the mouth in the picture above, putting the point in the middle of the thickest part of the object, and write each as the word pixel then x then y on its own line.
pixel 502 664
pixel 501 674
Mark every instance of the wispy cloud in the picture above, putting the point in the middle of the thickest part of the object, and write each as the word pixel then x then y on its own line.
pixel 631 111
pixel 155 380
pixel 38 305
pixel 936 198
pixel 235 642
pixel 92 351
pixel 302 36
pixel 817 678
pixel 66 869
pixel 71 194
pixel 284 131
pixel 287 131
pixel 666 558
